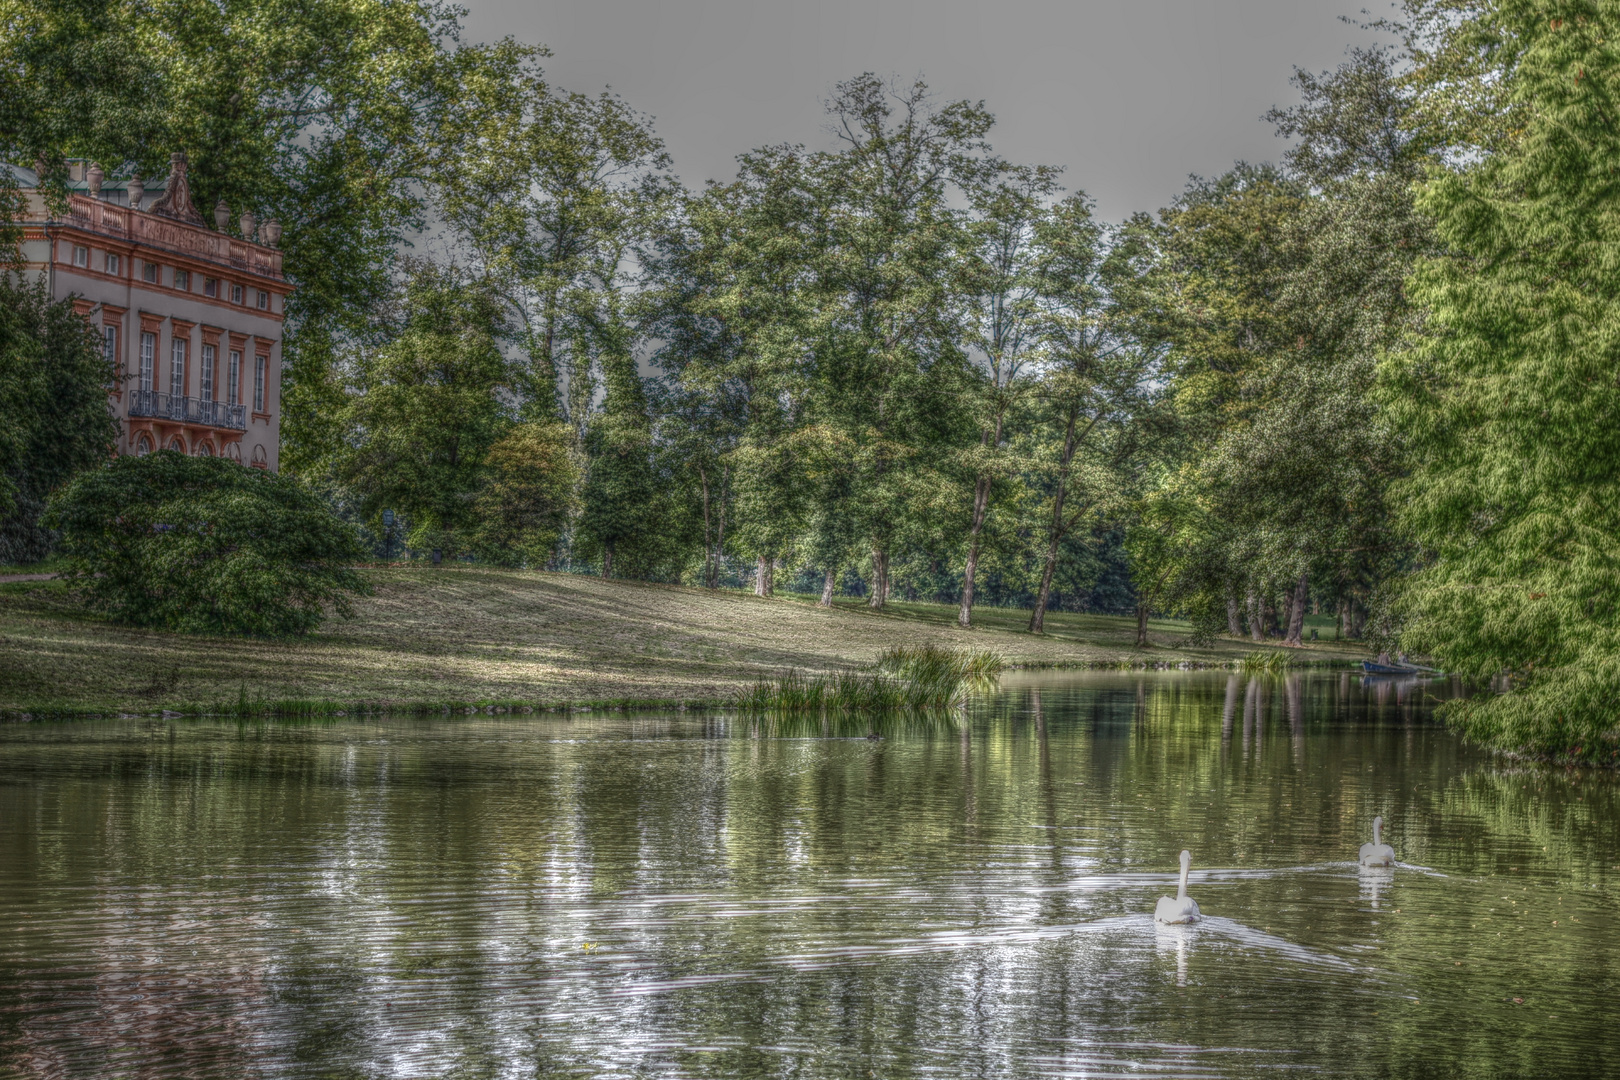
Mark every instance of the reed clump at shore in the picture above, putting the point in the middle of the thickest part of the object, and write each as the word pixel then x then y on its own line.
pixel 902 678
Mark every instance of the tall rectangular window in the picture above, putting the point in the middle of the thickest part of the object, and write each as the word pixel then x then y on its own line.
pixel 206 375
pixel 112 263
pixel 258 383
pixel 109 345
pixel 177 367
pixel 150 271
pixel 236 294
pixel 148 354
pixel 81 256
pixel 233 379
pixel 182 280
pixel 210 286
pixel 264 300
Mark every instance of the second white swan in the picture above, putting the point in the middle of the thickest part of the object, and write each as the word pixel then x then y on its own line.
pixel 1182 909
pixel 1377 853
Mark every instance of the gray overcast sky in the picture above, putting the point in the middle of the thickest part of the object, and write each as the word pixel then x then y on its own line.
pixel 1129 97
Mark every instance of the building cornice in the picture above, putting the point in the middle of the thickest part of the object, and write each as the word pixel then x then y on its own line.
pixel 169 235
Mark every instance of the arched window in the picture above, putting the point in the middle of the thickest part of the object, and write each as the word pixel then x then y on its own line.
pixel 234 452
pixel 143 445
pixel 205 450
pixel 177 444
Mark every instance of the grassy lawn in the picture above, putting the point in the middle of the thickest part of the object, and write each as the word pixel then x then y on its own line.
pixel 468 634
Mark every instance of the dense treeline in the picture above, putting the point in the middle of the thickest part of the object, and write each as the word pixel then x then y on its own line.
pixel 1374 378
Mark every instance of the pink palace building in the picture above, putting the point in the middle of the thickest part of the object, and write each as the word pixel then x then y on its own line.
pixel 191 314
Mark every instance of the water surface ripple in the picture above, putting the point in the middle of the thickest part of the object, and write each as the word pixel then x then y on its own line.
pixel 684 895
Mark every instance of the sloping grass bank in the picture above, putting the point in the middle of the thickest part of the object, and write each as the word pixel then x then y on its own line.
pixel 457 637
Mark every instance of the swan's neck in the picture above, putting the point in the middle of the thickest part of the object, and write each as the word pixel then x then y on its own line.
pixel 1378 832
pixel 1181 889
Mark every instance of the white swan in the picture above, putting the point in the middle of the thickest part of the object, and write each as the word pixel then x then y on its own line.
pixel 1377 853
pixel 1183 909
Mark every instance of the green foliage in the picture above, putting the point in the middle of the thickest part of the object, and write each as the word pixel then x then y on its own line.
pixel 1275 292
pixel 1510 401
pixel 428 410
pixel 527 494
pixel 204 545
pixel 554 192
pixel 53 400
pixel 620 501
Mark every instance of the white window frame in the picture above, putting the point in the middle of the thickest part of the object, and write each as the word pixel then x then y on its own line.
pixel 211 287
pixel 233 378
pixel 112 263
pixel 81 256
pixel 236 294
pixel 148 359
pixel 182 280
pixel 177 366
pixel 260 364
pixel 151 273
pixel 264 300
pixel 205 374
pixel 109 344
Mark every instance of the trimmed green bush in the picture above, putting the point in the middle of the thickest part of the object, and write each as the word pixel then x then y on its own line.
pixel 204 545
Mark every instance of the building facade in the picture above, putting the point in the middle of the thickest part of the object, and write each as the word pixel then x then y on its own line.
pixel 191 315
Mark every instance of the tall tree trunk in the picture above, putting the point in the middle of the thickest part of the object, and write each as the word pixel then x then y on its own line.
pixel 1141 625
pixel 827 586
pixel 1234 625
pixel 1257 627
pixel 965 616
pixel 1268 613
pixel 762 576
pixel 1285 614
pixel 880 578
pixel 607 561
pixel 1037 618
pixel 1296 612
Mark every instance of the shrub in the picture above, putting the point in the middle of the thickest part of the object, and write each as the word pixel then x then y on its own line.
pixel 204 545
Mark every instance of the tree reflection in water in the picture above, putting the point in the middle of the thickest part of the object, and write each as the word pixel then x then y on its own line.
pixel 693 895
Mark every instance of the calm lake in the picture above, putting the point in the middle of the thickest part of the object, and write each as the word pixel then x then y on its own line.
pixel 686 895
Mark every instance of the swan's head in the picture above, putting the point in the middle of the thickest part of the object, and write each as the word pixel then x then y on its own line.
pixel 1186 860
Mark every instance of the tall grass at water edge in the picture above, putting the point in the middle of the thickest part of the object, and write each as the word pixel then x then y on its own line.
pixel 901 679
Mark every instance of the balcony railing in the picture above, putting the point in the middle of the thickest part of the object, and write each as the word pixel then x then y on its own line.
pixel 187 410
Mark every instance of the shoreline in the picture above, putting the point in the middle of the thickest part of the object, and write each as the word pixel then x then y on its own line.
pixel 474 637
